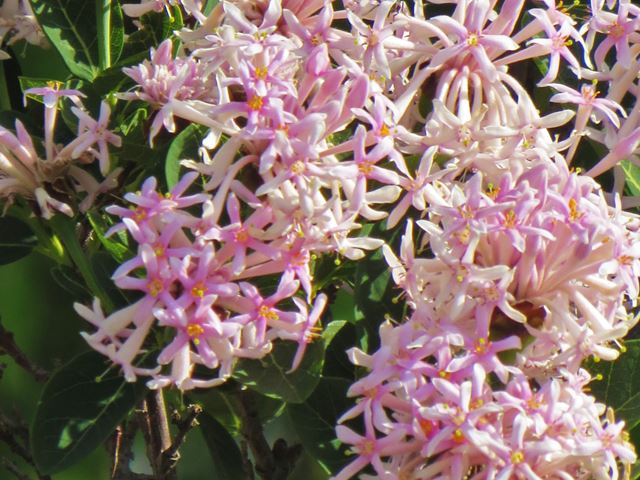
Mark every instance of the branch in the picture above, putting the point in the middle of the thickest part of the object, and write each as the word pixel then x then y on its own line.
pixel 170 456
pixel 9 347
pixel 270 464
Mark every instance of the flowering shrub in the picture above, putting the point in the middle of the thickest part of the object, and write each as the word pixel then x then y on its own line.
pixel 423 211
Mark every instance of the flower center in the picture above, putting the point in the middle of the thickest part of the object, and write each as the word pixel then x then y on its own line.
pixel 297 168
pixel 268 313
pixel 472 40
pixel 194 331
pixel 155 286
pixel 261 73
pixel 198 290
pixel 255 103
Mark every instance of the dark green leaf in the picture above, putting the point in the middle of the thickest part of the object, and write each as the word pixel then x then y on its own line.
pixel 71 281
pixel 226 456
pixel 184 146
pixel 620 384
pixel 271 375
pixel 154 28
pixel 221 404
pixel 16 240
pixel 70 25
pixel 116 35
pixel 315 422
pixel 117 250
pixel 80 407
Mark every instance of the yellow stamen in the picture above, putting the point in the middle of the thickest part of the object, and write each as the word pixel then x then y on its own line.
pixel 458 436
pixel 384 130
pixel 155 286
pixel 574 214
pixel 194 331
pixel 297 167
pixel 509 219
pixel 255 103
pixel 472 40
pixel 198 290
pixel 267 313
pixel 261 73
pixel 365 168
pixel 517 457
pixel 241 236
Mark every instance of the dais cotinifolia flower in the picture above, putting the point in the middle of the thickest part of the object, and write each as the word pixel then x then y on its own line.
pixel 515 270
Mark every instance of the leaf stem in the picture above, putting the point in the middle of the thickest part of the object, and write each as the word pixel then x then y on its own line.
pixel 103 14
pixel 65 231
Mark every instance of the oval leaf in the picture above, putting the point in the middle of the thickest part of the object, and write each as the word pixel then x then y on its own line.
pixel 224 451
pixel 315 422
pixel 16 240
pixel 620 384
pixel 184 146
pixel 70 25
pixel 271 375
pixel 77 413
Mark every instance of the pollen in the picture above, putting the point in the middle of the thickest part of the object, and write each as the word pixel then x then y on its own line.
pixel 255 103
pixel 472 40
pixel 297 167
pixel 458 436
pixel 367 447
pixel 574 214
pixel 194 331
pixel 241 236
pixel 268 313
pixel 427 426
pixel 158 249
pixel 198 290
pixel 517 457
pixel 444 374
pixel 509 219
pixel 139 214
pixel 365 168
pixel 384 130
pixel 261 73
pixel 155 286
pixel 492 191
pixel 482 345
pixel 316 40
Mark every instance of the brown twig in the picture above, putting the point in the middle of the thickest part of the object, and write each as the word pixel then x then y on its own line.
pixel 270 464
pixel 171 455
pixel 155 428
pixel 9 347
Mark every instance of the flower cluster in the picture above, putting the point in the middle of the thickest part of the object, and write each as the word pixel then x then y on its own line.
pixel 17 22
pixel 520 268
pixel 194 285
pixel 24 172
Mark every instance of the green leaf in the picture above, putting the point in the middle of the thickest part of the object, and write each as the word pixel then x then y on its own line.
pixel 634 437
pixel 315 422
pixel 220 403
pixel 116 34
pixel 271 375
pixel 77 413
pixel 620 384
pixel 632 176
pixel 154 28
pixel 224 451
pixel 184 146
pixel 70 25
pixel 16 240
